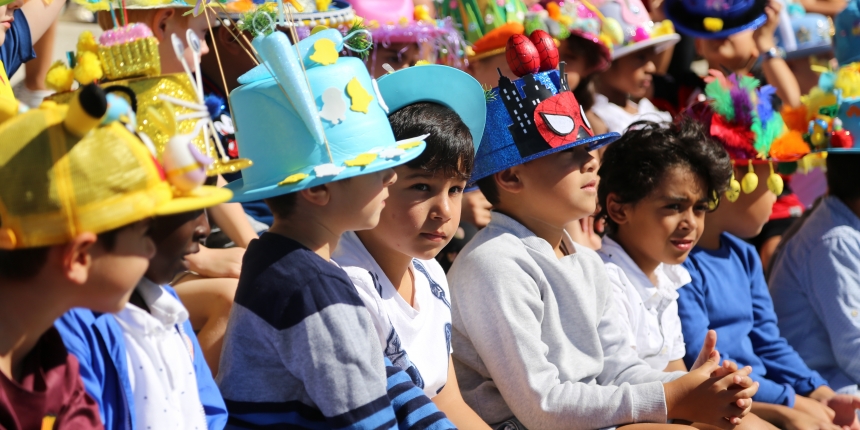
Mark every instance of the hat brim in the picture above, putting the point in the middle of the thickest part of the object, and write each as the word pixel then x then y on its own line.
pixel 592 143
pixel 660 44
pixel 808 52
pixel 681 27
pixel 447 86
pixel 243 193
pixel 201 198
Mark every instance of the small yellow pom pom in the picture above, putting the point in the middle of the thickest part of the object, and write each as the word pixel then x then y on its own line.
pixel 713 24
pixel 750 181
pixel 734 190
pixel 88 69
pixel 87 43
pixel 422 13
pixel 60 78
pixel 663 28
pixel 774 182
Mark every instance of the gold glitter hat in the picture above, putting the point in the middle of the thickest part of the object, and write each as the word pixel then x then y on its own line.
pixel 136 72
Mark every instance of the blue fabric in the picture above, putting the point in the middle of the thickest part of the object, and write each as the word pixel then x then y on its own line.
pixel 816 292
pixel 18 47
pixel 728 294
pixel 97 341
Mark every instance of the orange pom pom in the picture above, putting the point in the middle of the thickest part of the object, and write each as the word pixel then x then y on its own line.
pixel 789 147
pixel 553 10
pixel 795 118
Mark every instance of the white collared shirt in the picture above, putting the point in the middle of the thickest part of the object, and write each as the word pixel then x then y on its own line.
pixel 415 338
pixel 160 364
pixel 617 119
pixel 648 312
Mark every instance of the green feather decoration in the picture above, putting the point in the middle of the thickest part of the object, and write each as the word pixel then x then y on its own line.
pixel 721 100
pixel 748 83
pixel 772 130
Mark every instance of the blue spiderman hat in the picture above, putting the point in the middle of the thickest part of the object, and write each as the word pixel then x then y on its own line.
pixel 846 44
pixel 462 93
pixel 715 19
pixel 535 115
pixel 311 117
pixel 803 34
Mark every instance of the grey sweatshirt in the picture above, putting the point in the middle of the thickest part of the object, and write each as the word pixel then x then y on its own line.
pixel 534 336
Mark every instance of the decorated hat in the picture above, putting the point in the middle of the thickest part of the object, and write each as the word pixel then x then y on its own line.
pixel 330 13
pixel 462 93
pixel 310 118
pixel 804 34
pixel 630 28
pixel 68 171
pixel 830 114
pixel 716 19
pixel 126 62
pixel 100 5
pixel 486 25
pixel 572 18
pixel 535 115
pixel 846 44
pixel 740 115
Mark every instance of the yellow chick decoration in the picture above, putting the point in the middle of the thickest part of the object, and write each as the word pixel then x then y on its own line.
pixel 360 97
pixel 325 52
pixel 87 43
pixel 89 68
pixel 750 181
pixel 60 77
pixel 422 13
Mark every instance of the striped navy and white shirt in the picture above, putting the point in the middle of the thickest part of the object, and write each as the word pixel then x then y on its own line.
pixel 300 351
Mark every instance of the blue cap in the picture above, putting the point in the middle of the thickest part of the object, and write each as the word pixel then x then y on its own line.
pixel 715 19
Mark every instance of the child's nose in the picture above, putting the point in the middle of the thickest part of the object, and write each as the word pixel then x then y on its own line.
pixel 442 209
pixel 389 177
pixel 650 68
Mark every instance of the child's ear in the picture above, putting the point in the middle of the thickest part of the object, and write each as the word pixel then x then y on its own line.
pixel 75 257
pixel 159 24
pixel 509 180
pixel 225 40
pixel 318 195
pixel 700 47
pixel 616 210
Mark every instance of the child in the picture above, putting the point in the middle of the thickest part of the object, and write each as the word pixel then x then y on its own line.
pixel 725 269
pixel 629 76
pixel 144 365
pixel 519 362
pixel 22 24
pixel 74 234
pixel 656 184
pixel 300 348
pixel 814 280
pixel 393 265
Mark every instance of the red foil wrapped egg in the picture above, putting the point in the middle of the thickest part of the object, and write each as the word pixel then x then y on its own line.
pixel 546 49
pixel 842 139
pixel 522 55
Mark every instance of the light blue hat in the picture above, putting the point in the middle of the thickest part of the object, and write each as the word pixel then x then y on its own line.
pixel 310 117
pixel 447 86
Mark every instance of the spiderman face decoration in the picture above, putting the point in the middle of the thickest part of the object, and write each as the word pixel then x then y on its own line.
pixel 541 117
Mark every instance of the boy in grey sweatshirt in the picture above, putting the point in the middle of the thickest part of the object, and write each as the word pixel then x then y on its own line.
pixel 534 343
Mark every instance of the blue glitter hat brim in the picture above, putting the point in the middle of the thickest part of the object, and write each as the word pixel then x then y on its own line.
pixel 591 142
pixel 722 34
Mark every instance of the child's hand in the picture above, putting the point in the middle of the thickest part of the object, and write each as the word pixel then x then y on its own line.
pixel 814 408
pixel 764 36
pixel 844 407
pixel 216 263
pixel 797 420
pixel 721 402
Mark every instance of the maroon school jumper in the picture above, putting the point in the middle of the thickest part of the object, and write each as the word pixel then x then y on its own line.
pixel 51 395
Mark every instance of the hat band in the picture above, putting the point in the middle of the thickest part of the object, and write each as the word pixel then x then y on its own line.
pixel 713 24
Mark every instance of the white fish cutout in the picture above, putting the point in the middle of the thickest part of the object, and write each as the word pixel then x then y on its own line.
pixel 334 106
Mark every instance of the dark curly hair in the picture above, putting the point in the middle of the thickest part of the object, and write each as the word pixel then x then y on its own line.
pixel 635 164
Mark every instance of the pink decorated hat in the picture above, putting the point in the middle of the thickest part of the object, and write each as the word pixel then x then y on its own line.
pixel 632 29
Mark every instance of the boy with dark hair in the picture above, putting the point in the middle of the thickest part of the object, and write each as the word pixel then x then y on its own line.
pixel 300 348
pixel 536 342
pixel 393 266
pixel 725 269
pixel 73 233
pixel 815 279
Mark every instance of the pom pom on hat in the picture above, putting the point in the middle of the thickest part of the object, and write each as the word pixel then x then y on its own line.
pixel 87 43
pixel 88 69
pixel 60 78
pixel 789 146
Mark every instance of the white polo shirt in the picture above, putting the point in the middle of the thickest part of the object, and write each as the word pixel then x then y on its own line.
pixel 649 313
pixel 415 338
pixel 617 119
pixel 160 365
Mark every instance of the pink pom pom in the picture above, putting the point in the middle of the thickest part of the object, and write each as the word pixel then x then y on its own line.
pixel 640 35
pixel 536 8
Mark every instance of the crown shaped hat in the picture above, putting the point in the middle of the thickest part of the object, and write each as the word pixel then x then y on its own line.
pixel 631 29
pixel 535 115
pixel 716 19
pixel 804 34
pixel 66 174
pixel 310 117
pixel 740 115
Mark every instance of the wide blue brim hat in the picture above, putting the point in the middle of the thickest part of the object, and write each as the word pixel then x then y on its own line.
pixel 310 117
pixel 715 19
pixel 522 114
pixel 846 44
pixel 804 34
pixel 447 86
